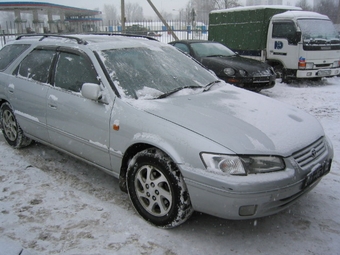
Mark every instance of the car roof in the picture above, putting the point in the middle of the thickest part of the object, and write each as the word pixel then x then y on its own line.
pixel 90 41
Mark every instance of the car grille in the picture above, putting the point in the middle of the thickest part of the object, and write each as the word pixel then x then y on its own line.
pixel 261 79
pixel 309 155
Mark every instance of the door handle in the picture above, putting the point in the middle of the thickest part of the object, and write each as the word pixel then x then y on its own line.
pixel 11 88
pixel 52 106
pixel 52 101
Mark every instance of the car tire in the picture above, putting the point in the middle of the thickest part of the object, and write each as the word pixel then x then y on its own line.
pixel 157 189
pixel 11 129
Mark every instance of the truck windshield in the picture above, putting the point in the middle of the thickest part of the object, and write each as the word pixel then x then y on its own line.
pixel 318 31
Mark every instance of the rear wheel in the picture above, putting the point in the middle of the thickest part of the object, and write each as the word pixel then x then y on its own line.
pixel 11 129
pixel 157 190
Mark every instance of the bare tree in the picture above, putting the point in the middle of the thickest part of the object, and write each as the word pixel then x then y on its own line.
pixel 328 8
pixel 110 14
pixel 204 7
pixel 304 5
pixel 226 4
pixel 338 15
pixel 188 12
pixel 134 12
pixel 167 15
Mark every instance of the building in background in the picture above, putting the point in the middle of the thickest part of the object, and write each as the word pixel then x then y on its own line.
pixel 47 17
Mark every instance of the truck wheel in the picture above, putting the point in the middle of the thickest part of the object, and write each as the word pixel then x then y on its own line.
pixel 157 190
pixel 11 129
pixel 281 73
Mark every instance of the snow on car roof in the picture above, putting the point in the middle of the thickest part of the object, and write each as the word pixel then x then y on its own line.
pixel 91 41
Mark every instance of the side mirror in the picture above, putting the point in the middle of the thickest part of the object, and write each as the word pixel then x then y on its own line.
pixel 297 37
pixel 91 91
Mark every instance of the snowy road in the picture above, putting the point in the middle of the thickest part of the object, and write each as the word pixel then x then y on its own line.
pixel 53 204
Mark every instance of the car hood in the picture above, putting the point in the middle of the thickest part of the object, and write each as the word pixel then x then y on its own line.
pixel 242 121
pixel 253 67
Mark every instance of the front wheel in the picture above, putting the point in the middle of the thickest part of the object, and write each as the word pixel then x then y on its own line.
pixel 157 190
pixel 11 129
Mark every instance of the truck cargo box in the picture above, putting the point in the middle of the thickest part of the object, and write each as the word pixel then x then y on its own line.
pixel 244 29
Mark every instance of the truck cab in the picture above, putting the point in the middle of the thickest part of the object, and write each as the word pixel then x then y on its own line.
pixel 303 44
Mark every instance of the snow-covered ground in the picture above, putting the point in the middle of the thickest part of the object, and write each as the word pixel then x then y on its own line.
pixel 53 204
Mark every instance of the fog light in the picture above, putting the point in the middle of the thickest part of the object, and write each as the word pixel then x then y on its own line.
pixel 309 74
pixel 247 210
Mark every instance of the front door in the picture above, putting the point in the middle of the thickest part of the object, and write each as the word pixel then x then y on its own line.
pixel 76 124
pixel 282 45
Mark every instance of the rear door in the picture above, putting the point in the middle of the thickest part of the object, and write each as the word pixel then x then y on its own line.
pixel 27 90
pixel 76 124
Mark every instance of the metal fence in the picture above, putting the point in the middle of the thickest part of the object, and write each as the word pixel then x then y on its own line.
pixel 182 29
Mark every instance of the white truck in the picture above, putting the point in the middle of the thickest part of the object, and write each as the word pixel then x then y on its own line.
pixel 298 44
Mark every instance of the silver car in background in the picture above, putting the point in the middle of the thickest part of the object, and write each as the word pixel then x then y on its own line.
pixel 178 138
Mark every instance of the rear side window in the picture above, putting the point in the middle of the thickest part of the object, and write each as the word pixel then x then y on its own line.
pixel 10 52
pixel 36 65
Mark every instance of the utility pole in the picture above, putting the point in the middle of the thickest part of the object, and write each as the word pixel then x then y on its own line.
pixel 163 20
pixel 122 14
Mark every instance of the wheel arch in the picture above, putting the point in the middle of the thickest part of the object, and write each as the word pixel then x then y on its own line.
pixel 2 101
pixel 138 147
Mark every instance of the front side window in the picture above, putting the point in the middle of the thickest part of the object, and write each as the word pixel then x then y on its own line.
pixel 37 65
pixel 72 71
pixel 182 47
pixel 286 30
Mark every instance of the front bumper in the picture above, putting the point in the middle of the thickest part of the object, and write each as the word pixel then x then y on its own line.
pixel 252 83
pixel 238 206
pixel 318 73
pixel 258 195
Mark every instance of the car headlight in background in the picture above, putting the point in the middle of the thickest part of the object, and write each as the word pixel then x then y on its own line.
pixel 242 165
pixel 229 71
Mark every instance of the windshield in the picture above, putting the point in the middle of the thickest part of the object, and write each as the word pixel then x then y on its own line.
pixel 317 30
pixel 141 72
pixel 211 49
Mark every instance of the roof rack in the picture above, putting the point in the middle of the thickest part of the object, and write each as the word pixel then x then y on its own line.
pixel 122 34
pixel 79 40
pixel 43 36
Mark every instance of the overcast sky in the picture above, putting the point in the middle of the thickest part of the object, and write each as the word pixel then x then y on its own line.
pixel 162 5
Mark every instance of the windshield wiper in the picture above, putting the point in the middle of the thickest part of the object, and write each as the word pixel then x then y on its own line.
pixel 176 90
pixel 209 85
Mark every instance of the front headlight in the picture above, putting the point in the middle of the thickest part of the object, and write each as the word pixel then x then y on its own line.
pixel 242 165
pixel 243 72
pixel 336 64
pixel 309 65
pixel 229 71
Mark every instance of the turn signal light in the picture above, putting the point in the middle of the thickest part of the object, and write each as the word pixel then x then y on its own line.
pixel 302 65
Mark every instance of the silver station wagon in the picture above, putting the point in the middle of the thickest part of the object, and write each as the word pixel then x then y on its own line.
pixel 178 138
